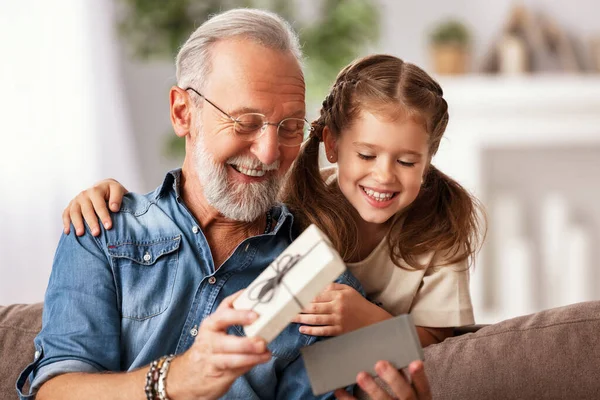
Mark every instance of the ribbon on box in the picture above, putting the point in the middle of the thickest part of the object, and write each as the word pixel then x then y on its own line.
pixel 267 288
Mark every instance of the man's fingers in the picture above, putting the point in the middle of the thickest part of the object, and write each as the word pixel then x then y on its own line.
pixel 368 384
pixel 238 345
pixel 228 301
pixel 395 380
pixel 234 361
pixel 223 318
pixel 419 380
pixel 341 394
pixel 99 204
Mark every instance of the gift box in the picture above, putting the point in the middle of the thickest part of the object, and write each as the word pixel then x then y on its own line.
pixel 334 363
pixel 290 283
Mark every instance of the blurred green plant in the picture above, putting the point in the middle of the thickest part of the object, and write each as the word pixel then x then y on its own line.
pixel 341 31
pixel 450 32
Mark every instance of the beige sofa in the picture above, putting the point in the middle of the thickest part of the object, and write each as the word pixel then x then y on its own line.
pixel 553 354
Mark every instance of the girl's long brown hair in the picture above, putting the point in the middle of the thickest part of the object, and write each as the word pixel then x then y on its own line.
pixel 444 217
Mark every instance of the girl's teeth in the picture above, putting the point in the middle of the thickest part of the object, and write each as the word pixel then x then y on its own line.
pixel 378 196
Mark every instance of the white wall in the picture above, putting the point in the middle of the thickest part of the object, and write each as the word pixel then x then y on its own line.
pixel 63 123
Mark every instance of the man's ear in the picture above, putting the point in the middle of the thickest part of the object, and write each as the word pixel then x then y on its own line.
pixel 330 145
pixel 181 111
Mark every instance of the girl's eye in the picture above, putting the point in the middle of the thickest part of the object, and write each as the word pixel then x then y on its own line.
pixel 406 164
pixel 365 157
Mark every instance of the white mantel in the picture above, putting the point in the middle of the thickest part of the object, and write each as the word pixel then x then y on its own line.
pixel 515 111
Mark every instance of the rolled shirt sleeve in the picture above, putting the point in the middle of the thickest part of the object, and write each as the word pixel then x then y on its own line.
pixel 81 322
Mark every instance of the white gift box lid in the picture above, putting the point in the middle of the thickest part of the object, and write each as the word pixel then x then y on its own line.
pixel 312 263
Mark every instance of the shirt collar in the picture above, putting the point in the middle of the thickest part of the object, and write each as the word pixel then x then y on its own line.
pixel 172 182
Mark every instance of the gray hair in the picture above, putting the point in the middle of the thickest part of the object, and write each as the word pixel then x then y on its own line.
pixel 263 27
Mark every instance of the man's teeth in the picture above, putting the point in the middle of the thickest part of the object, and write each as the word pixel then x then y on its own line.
pixel 250 172
pixel 378 196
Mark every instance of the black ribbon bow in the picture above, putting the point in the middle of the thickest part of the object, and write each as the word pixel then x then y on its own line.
pixel 266 289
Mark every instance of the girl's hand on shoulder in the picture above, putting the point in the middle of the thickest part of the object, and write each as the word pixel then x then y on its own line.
pixel 91 204
pixel 339 309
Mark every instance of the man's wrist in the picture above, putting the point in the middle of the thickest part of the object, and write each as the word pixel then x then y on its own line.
pixel 175 381
pixel 156 379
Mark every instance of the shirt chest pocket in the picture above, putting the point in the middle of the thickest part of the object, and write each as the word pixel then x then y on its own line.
pixel 145 275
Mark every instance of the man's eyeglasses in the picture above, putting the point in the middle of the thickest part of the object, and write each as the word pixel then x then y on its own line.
pixel 290 131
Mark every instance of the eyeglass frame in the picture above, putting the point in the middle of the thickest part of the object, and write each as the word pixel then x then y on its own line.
pixel 262 128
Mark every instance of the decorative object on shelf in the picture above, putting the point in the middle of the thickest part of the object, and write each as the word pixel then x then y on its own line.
pixel 340 33
pixel 512 55
pixel 449 43
pixel 595 54
pixel 531 43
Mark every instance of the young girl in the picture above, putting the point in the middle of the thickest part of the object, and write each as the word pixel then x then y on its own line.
pixel 405 230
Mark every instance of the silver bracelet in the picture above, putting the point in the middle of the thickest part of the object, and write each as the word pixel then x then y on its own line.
pixel 162 380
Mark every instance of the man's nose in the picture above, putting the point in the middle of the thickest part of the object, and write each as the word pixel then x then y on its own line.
pixel 266 147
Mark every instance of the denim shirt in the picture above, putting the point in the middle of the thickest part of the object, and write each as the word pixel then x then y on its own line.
pixel 139 291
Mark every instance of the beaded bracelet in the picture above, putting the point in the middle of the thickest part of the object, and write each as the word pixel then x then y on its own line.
pixel 156 387
pixel 149 388
pixel 162 380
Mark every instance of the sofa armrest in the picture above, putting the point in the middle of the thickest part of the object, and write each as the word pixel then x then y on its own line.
pixel 19 324
pixel 553 354
pixel 461 330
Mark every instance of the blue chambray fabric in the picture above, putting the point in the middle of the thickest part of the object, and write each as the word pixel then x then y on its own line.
pixel 118 301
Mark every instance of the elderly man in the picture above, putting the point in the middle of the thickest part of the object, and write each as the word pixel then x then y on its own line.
pixel 163 280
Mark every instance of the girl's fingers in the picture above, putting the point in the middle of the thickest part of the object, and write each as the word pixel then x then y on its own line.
pixel 320 330
pixel 318 308
pixel 87 210
pixel 332 287
pixel 325 297
pixel 116 193
pixel 315 319
pixel 76 218
pixel 100 209
pixel 66 220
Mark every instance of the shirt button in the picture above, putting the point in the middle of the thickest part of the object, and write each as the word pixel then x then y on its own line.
pixel 195 229
pixel 194 332
pixel 212 280
pixel 36 355
pixel 147 256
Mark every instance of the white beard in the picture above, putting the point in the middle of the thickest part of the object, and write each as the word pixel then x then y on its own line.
pixel 239 202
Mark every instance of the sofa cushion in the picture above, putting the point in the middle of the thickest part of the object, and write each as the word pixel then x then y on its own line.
pixel 19 324
pixel 553 354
